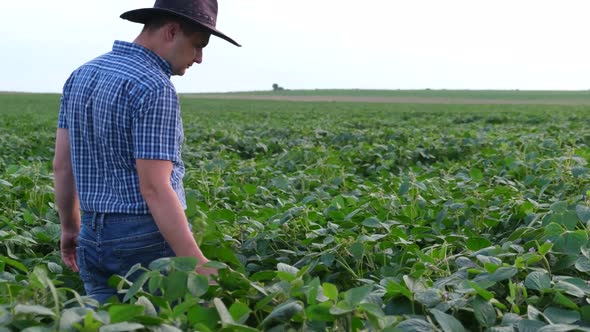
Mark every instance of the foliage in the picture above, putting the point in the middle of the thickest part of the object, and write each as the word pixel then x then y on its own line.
pixel 329 216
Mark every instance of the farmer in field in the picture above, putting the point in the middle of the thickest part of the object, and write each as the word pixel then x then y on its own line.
pixel 118 166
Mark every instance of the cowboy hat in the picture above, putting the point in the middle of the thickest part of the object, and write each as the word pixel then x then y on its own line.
pixel 201 12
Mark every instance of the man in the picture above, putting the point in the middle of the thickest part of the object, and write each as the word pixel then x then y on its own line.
pixel 118 148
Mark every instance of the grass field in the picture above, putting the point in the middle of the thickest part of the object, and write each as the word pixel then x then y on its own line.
pixel 333 217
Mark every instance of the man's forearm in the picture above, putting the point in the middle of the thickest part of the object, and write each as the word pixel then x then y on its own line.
pixel 66 200
pixel 171 220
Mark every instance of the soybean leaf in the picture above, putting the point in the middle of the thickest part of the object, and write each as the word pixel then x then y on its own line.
pixel 121 327
pixel 33 309
pixel 447 322
pixel 484 312
pixel 415 325
pixel 561 316
pixel 197 284
pixel 283 313
pixel 527 325
pixel 125 312
pixel 239 312
pixel 330 291
pixel 538 281
pixel 356 295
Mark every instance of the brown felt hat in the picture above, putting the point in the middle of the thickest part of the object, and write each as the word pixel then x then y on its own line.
pixel 201 12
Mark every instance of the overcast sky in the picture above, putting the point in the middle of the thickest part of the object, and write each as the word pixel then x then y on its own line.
pixel 321 44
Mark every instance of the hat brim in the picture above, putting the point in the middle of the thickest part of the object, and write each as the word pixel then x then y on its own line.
pixel 144 15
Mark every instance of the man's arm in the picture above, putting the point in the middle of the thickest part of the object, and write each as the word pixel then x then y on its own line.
pixel 165 207
pixel 66 199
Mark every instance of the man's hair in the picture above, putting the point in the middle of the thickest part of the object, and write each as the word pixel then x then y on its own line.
pixel 187 27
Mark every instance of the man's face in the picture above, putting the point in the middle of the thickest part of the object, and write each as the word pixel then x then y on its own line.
pixel 187 50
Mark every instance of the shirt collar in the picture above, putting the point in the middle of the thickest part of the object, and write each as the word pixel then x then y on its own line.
pixel 127 48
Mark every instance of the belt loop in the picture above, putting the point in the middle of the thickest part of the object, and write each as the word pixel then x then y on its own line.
pixel 94 214
pixel 101 223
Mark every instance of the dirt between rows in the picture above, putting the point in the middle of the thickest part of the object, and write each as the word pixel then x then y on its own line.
pixel 395 100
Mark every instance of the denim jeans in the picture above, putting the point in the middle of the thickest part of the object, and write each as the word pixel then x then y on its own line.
pixel 111 243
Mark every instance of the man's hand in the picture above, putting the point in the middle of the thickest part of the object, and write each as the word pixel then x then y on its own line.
pixel 69 242
pixel 208 272
pixel 66 199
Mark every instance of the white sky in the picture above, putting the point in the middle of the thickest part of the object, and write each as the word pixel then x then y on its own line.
pixel 309 44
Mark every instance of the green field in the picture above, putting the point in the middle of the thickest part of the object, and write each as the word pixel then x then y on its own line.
pixel 332 217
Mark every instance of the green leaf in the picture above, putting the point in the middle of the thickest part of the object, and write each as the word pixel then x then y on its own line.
pixel 538 281
pixel 503 273
pixel 240 312
pixel 282 267
pixel 197 284
pixel 341 308
pixel 175 285
pixel 226 318
pixel 312 290
pixel 320 312
pixel 372 309
pixel 561 316
pixel 485 294
pixel 54 268
pixel 330 291
pixel 415 325
pixel 161 264
pixel 136 287
pixel 562 300
pixel 14 263
pixel 266 300
pixel 167 328
pixel 67 319
pixel 394 289
pixel 207 316
pixel 447 322
pixel 430 297
pixel 559 207
pixel 33 309
pixel 583 213
pixel 148 306
pixel 545 248
pixel 121 327
pixel 283 313
pixel 571 242
pixel 559 328
pixel 356 295
pixel 155 281
pixel 484 312
pixel 372 222
pixel 527 325
pixel 186 264
pixel 476 174
pixel 250 189
pixel 215 265
pixel 125 312
pixel 478 243
pixel 568 219
pixel 569 288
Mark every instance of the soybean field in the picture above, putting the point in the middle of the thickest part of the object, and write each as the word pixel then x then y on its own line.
pixel 329 216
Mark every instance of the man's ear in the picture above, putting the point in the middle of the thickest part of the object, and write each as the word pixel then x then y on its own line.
pixel 171 30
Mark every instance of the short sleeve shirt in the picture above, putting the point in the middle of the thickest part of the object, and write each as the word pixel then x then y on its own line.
pixel 117 108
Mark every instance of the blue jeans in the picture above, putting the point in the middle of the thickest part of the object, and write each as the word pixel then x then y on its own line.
pixel 111 243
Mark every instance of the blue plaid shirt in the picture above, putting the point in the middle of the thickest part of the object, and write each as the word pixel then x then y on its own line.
pixel 117 108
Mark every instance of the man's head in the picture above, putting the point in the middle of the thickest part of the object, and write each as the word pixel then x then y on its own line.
pixel 176 39
pixel 178 30
pixel 202 13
